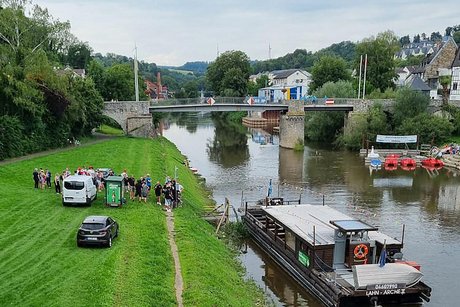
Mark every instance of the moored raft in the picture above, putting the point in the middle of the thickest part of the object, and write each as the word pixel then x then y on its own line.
pixel 341 260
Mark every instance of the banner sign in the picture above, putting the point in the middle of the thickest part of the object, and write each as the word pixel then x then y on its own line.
pixel 397 139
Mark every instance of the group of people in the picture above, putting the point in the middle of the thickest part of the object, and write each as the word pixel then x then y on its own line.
pixel 42 179
pixel 141 188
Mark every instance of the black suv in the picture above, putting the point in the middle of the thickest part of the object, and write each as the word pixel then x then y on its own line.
pixel 97 230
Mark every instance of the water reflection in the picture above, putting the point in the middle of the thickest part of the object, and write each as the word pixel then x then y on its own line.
pixel 290 165
pixel 229 146
pixel 277 285
pixel 426 201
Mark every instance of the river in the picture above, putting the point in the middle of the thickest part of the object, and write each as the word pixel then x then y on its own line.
pixel 239 162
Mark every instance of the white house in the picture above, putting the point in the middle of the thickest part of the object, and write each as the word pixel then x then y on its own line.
pixel 286 84
pixel 455 85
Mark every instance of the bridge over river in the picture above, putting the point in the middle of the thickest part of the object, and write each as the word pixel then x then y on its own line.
pixel 135 117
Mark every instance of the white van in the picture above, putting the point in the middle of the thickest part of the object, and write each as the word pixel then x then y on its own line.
pixel 78 189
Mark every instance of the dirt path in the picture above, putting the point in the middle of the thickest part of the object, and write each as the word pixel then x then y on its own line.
pixel 98 139
pixel 178 282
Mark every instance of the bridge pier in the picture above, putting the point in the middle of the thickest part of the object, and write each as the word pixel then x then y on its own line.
pixel 292 125
pixel 132 116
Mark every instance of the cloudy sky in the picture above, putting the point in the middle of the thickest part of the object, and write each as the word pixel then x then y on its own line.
pixel 172 32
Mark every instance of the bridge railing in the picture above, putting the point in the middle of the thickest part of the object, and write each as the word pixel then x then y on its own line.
pixel 243 100
pixel 199 100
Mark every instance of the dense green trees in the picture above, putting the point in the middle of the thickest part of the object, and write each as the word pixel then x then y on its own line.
pixel 42 107
pixel 229 73
pixel 339 89
pixel 380 52
pixel 328 69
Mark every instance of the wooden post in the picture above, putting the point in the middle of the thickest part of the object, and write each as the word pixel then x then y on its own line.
pixel 224 214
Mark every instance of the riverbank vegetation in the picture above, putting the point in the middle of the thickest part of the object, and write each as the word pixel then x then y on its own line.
pixel 40 262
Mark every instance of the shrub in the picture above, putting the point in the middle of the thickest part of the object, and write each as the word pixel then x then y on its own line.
pixel 427 127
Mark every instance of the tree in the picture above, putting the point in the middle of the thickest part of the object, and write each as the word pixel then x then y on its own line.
pixel 416 39
pixel 448 31
pixel 328 69
pixel 380 59
pixel 79 55
pixel 24 34
pixel 229 73
pixel 97 73
pixel 409 104
pixel 456 37
pixel 261 82
pixel 436 36
pixel 445 82
pixel 339 89
pixel 404 40
pixel 427 127
pixel 119 82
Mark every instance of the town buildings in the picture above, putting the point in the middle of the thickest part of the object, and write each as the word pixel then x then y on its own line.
pixel 284 84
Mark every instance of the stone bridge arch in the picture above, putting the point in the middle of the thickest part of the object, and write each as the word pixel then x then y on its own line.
pixel 133 116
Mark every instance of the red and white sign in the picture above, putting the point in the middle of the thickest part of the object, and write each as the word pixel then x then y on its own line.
pixel 210 101
pixel 250 101
pixel 329 101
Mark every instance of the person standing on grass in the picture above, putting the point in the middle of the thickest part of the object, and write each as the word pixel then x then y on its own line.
pixel 42 179
pixel 57 183
pixel 131 187
pixel 148 181
pixel 138 186
pixel 36 179
pixel 48 178
pixel 158 188
pixel 144 192
pixel 168 196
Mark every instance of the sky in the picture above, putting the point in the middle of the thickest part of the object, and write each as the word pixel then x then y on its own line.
pixel 173 32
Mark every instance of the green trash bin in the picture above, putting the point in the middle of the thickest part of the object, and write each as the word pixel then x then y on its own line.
pixel 114 191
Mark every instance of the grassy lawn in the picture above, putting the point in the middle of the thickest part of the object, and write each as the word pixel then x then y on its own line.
pixel 105 129
pixel 40 263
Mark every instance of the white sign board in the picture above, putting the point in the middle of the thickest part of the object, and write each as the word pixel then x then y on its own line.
pixel 397 139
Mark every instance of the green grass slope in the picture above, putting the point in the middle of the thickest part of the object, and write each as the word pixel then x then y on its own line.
pixel 40 264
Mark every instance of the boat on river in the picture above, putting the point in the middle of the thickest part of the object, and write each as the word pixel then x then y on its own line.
pixel 341 260
pixel 391 161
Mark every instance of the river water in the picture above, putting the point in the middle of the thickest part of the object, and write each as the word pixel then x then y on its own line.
pixel 239 162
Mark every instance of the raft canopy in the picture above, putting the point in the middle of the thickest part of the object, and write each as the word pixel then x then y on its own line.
pixel 316 224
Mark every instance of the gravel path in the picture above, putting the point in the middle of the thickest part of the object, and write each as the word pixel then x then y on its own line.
pixel 98 139
pixel 178 282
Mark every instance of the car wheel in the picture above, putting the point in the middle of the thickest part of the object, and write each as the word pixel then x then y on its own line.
pixel 79 244
pixel 109 243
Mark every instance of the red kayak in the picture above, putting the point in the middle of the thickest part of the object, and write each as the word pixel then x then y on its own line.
pixel 391 161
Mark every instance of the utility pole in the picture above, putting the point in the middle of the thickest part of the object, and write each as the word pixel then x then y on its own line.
pixel 365 71
pixel 269 52
pixel 136 79
pixel 360 70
